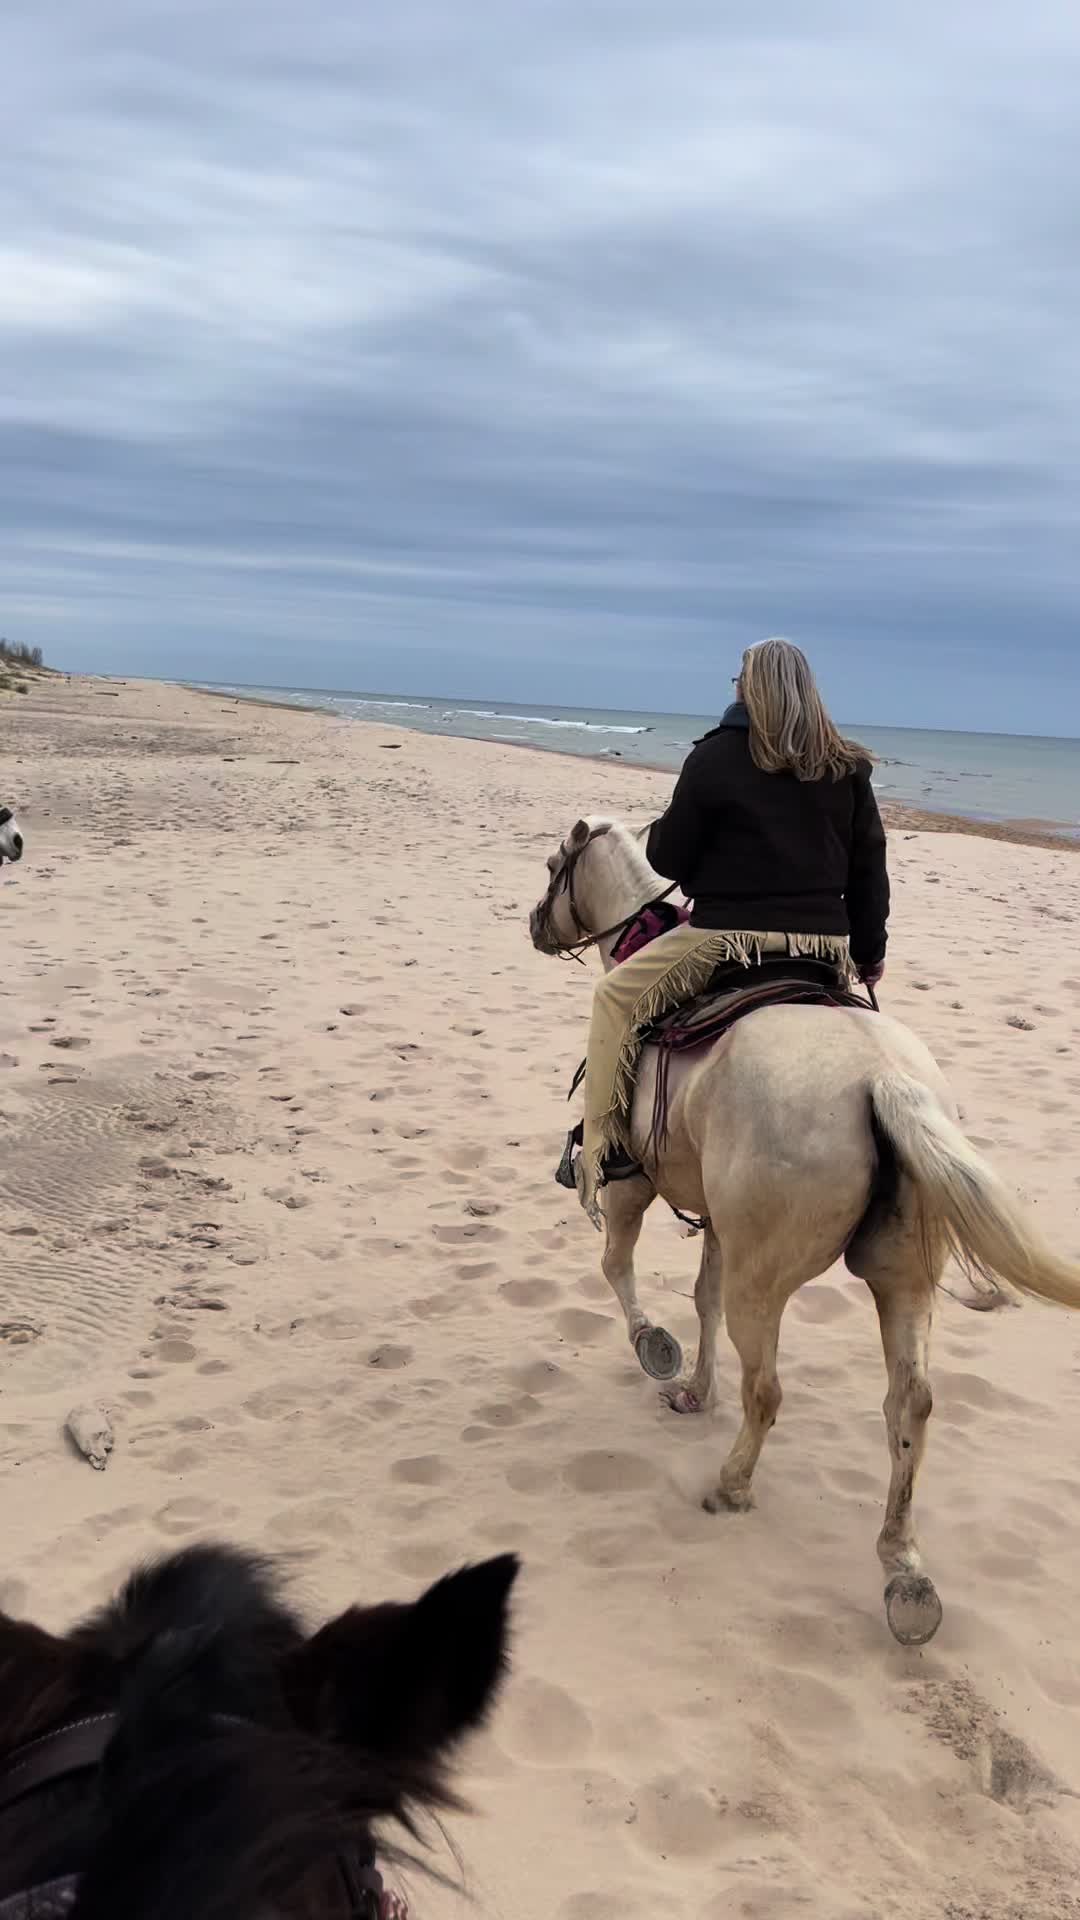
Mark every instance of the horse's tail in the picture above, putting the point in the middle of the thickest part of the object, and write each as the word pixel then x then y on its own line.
pixel 961 1195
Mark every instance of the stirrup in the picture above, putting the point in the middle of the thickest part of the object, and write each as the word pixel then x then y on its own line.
pixel 618 1165
pixel 564 1172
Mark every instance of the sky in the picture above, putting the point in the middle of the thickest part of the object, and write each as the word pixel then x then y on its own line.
pixel 548 349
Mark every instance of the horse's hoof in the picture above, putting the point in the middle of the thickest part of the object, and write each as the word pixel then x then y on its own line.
pixel 680 1400
pixel 912 1609
pixel 659 1353
pixel 728 1500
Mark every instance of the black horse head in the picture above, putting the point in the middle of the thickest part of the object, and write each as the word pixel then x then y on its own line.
pixel 190 1753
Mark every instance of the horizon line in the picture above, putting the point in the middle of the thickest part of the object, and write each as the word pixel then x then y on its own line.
pixel 659 713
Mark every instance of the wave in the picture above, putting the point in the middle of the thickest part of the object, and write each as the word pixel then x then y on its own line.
pixel 414 706
pixel 539 720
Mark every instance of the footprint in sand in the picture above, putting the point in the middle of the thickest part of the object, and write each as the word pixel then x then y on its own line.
pixel 613 1903
pixel 184 1460
pixel 822 1303
pixel 616 1547
pixel 1004 1766
pixel 854 1480
pixel 528 1476
pixel 581 1327
pixel 145 1440
pixel 189 1514
pixel 610 1473
pixel 175 1353
pixel 508 1413
pixel 317 1520
pixel 387 1407
pixel 436 1306
pixel 774 1897
pixel 426 1470
pixel 425 1560
pixel 19 1333
pixel 475 1232
pixel 337 1324
pixel 278 1403
pixel 594 1286
pixel 530 1293
pixel 539 1376
pixel 542 1725
pixel 971 1392
pixel 389 1358
pixel 679 1819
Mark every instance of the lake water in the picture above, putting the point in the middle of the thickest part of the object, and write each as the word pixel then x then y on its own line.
pixel 979 775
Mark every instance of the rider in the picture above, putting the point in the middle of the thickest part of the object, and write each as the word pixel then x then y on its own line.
pixel 774 833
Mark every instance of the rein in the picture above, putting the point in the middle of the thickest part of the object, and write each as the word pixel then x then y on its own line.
pixel 564 881
pixel 80 1747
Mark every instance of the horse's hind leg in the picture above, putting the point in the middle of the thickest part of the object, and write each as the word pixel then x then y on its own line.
pixel 696 1395
pixel 753 1321
pixel 894 1264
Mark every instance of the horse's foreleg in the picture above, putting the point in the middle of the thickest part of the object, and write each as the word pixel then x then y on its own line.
pixel 753 1321
pixel 626 1203
pixel 697 1394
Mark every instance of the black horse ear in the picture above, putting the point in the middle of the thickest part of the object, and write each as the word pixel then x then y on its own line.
pixel 579 836
pixel 38 1680
pixel 406 1682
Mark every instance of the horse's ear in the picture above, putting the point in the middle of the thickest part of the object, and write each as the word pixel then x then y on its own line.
pixel 579 835
pixel 38 1680
pixel 405 1682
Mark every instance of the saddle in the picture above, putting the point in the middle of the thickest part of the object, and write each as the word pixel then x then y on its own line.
pixel 732 993
pixel 735 991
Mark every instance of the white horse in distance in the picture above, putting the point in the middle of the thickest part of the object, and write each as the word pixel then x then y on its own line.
pixel 11 840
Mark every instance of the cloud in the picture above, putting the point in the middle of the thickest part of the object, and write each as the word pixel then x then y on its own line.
pixel 556 352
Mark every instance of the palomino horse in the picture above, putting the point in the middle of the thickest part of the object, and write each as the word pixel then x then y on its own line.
pixel 806 1135
pixel 11 840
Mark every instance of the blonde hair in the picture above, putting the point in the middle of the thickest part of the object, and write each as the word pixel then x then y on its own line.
pixel 790 730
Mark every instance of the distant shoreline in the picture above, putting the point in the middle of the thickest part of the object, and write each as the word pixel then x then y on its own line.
pixel 898 815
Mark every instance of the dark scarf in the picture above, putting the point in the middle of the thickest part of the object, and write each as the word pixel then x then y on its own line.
pixel 736 716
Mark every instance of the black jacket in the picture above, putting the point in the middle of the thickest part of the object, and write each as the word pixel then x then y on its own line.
pixel 767 853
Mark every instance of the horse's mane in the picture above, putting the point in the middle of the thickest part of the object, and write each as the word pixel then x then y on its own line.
pixel 629 841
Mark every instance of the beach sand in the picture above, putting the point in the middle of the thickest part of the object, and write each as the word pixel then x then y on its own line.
pixel 281 1089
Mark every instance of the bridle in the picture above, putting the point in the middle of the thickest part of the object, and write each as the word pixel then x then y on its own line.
pixel 562 881
pixel 80 1747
